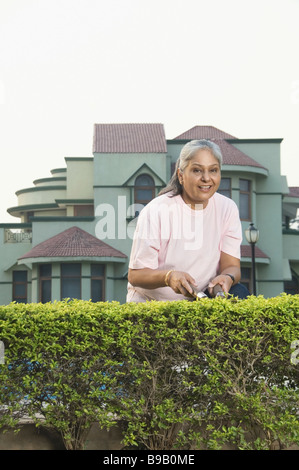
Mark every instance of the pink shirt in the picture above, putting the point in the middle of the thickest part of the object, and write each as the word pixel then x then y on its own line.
pixel 171 235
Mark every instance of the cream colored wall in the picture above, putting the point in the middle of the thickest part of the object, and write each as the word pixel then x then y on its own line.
pixel 40 196
pixel 79 178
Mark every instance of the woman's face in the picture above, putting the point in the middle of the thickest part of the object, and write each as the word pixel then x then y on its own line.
pixel 200 179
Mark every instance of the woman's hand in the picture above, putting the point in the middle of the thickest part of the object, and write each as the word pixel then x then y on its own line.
pixel 182 283
pixel 223 280
pixel 179 281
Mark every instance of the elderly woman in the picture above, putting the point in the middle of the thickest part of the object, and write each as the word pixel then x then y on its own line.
pixel 188 238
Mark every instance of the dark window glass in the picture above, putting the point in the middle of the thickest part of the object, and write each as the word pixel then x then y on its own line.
pixel 244 206
pixel 19 286
pixel 245 199
pixel 225 187
pixel 244 185
pixel 86 210
pixel 144 194
pixel 71 281
pixel 20 290
pixel 71 270
pixel 246 277
pixel 292 286
pixel 97 270
pixel 71 288
pixel 144 180
pixel 97 282
pixel 20 276
pixel 45 270
pixel 144 189
pixel 45 283
pixel 46 290
pixel 96 290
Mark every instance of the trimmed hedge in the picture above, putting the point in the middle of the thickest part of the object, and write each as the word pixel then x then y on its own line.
pixel 174 375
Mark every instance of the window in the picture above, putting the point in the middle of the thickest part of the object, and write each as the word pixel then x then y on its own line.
pixel 19 288
pixel 71 281
pixel 144 189
pixel 292 286
pixel 245 198
pixel 246 277
pixel 29 215
pixel 225 187
pixel 97 282
pixel 45 283
pixel 84 210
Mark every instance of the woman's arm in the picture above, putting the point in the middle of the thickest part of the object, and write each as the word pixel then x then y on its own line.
pixel 228 265
pixel 180 282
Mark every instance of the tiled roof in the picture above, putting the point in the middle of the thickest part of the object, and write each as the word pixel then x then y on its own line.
pixel 129 138
pixel 246 252
pixel 73 242
pixel 294 191
pixel 204 132
pixel 231 155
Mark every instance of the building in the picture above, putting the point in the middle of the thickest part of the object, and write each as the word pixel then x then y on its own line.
pixel 73 230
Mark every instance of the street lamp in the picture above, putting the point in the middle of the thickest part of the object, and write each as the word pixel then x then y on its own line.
pixel 252 236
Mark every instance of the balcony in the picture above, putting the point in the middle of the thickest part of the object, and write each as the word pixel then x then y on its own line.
pixel 17 236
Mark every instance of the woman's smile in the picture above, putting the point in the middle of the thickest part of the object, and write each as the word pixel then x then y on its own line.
pixel 205 188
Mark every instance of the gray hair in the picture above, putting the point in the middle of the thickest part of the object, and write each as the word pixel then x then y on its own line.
pixel 187 153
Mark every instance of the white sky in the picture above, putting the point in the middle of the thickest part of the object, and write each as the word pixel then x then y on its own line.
pixel 67 64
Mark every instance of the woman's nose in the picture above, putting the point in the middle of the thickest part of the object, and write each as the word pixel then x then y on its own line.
pixel 205 176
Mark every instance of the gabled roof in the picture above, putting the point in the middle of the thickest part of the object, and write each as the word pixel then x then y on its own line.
pixel 204 132
pixel 231 155
pixel 142 168
pixel 129 138
pixel 73 242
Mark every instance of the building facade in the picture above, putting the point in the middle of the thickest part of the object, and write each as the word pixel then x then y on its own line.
pixel 73 232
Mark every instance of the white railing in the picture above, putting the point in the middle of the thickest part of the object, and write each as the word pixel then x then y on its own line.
pixel 17 236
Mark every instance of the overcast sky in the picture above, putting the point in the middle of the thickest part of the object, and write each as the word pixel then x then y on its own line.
pixel 68 64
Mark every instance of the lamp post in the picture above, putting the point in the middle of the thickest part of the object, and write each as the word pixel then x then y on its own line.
pixel 252 236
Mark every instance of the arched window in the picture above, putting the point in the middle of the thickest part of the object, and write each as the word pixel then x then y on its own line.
pixel 144 189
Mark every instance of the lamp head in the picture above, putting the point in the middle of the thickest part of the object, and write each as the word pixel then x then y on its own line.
pixel 252 234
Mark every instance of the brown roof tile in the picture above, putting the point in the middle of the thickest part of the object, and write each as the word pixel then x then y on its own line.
pixel 231 155
pixel 73 242
pixel 204 132
pixel 246 252
pixel 129 138
pixel 294 191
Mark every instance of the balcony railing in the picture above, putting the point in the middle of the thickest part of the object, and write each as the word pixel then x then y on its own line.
pixel 17 236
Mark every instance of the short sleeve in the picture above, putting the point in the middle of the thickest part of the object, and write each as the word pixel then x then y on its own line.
pixel 232 235
pixel 146 241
